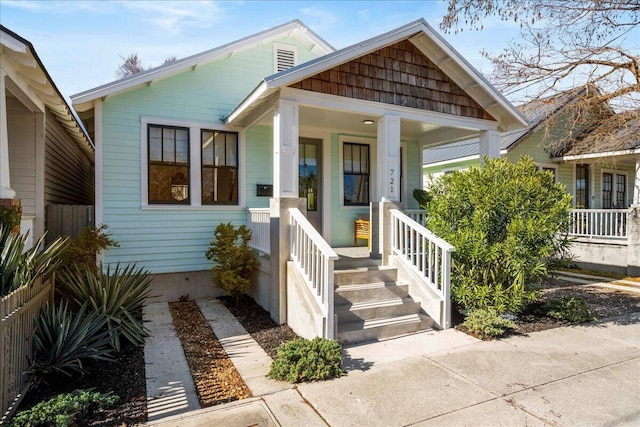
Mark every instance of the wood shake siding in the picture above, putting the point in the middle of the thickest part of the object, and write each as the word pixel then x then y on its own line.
pixel 399 74
pixel 68 172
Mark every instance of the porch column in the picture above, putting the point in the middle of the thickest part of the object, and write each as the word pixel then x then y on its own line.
pixel 389 158
pixel 636 186
pixel 388 186
pixel 285 145
pixel 6 192
pixel 285 196
pixel 489 144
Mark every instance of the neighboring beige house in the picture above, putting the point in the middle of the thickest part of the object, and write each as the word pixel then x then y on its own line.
pixel 46 157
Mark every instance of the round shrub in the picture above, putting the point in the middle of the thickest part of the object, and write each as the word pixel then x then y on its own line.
pixel 301 360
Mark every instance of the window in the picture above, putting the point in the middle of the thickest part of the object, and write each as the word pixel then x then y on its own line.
pixel 284 57
pixel 582 186
pixel 356 174
pixel 614 190
pixel 168 158
pixel 219 167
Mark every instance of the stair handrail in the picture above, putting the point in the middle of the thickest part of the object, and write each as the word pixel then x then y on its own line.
pixel 314 258
pixel 426 254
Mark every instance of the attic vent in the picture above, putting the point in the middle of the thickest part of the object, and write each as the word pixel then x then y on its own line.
pixel 285 57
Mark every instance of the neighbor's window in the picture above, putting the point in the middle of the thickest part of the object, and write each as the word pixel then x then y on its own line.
pixel 219 167
pixel 168 164
pixel 582 186
pixel 356 174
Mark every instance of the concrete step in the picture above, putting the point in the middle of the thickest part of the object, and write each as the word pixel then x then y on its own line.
pixel 347 263
pixel 367 310
pixel 365 275
pixel 376 329
pixel 370 292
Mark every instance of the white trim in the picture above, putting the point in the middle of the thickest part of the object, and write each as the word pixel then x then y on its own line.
pixel 257 93
pixel 284 47
pixel 195 164
pixel 553 166
pixel 373 169
pixel 614 199
pixel 99 185
pixel 12 43
pixel 597 155
pixel 190 62
pixel 339 103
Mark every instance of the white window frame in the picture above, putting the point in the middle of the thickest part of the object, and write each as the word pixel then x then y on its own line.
pixel 373 170
pixel 614 196
pixel 282 46
pixel 553 166
pixel 195 164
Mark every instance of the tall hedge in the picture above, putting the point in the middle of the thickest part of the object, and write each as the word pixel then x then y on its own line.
pixel 505 221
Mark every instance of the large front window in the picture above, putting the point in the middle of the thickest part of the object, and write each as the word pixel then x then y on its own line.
pixel 356 174
pixel 168 164
pixel 219 167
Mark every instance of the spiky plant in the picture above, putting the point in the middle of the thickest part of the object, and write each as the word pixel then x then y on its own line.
pixel 118 295
pixel 20 267
pixel 63 340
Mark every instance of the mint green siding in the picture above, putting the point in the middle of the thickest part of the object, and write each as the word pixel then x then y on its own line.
pixel 175 238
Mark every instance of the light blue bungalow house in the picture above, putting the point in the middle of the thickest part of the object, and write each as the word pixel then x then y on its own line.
pixel 296 140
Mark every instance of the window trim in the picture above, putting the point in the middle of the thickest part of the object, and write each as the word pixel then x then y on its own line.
pixel 373 156
pixel 614 197
pixel 236 167
pixel 161 163
pixel 195 177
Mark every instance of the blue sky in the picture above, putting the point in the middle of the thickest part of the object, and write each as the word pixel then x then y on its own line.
pixel 80 42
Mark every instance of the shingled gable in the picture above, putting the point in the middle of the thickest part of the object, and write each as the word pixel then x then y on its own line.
pixel 418 69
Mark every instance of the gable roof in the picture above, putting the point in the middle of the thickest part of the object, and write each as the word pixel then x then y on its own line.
pixel 176 67
pixel 428 41
pixel 30 69
pixel 536 113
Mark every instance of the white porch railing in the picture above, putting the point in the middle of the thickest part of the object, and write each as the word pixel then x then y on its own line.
pixel 418 215
pixel 426 254
pixel 605 223
pixel 259 221
pixel 314 258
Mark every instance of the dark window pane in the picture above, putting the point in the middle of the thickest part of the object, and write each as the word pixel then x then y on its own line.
pixel 219 168
pixel 168 184
pixel 155 144
pixel 220 185
pixel 232 149
pixel 182 146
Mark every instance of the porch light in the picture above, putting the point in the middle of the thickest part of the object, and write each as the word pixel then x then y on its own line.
pixel 368 122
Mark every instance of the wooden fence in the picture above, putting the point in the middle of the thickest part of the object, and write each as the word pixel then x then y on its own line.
pixel 17 311
pixel 68 220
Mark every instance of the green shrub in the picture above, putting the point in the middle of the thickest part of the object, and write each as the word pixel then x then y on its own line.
pixel 20 267
pixel 307 360
pixel 503 220
pixel 63 339
pixel 82 250
pixel 118 296
pixel 572 309
pixel 486 322
pixel 234 261
pixel 64 409
pixel 10 216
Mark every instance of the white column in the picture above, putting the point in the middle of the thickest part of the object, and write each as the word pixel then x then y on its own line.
pixel 636 186
pixel 489 144
pixel 389 158
pixel 285 145
pixel 5 178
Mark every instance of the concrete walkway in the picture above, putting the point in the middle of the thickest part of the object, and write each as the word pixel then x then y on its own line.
pixel 584 375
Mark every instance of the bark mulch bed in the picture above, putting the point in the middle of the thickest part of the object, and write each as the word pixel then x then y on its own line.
pixel 125 378
pixel 259 324
pixel 603 302
pixel 216 379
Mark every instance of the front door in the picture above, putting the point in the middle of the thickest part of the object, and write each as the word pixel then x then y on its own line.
pixel 310 179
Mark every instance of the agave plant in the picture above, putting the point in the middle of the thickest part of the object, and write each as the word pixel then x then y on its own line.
pixel 63 339
pixel 20 267
pixel 119 296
